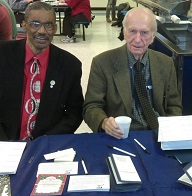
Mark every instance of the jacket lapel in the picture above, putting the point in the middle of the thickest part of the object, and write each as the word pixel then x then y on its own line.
pixel 122 78
pixel 50 93
pixel 158 79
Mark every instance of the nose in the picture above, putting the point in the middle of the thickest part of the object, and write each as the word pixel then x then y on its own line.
pixel 138 37
pixel 42 29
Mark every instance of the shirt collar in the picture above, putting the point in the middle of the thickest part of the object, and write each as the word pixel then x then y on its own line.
pixel 132 60
pixel 42 57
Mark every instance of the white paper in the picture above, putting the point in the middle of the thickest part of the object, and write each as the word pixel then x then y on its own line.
pixel 58 168
pixel 59 153
pixel 184 178
pixel 67 158
pixel 175 128
pixel 114 172
pixel 83 183
pixel 10 153
pixel 126 168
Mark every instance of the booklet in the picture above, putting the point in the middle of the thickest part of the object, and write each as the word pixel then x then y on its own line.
pixel 125 174
pixel 175 132
pixel 47 184
pixel 10 153
pixel 88 183
pixel 58 168
pixel 123 179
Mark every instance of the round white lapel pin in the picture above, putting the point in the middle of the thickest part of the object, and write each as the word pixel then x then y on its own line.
pixel 52 83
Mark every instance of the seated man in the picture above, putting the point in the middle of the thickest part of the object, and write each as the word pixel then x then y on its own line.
pixel 80 12
pixel 40 91
pixel 113 87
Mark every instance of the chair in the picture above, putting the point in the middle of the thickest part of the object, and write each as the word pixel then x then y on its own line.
pixel 84 25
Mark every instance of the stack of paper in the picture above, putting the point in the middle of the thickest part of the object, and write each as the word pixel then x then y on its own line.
pixel 10 154
pixel 61 155
pixel 175 132
pixel 124 176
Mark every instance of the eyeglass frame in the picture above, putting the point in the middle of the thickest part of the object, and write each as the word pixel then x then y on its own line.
pixel 40 24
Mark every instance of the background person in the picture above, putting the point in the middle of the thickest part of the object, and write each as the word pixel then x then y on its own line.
pixel 111 8
pixel 111 89
pixel 40 91
pixel 13 21
pixel 5 24
pixel 80 12
pixel 19 7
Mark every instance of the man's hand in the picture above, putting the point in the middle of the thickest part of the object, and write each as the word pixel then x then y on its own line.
pixel 111 128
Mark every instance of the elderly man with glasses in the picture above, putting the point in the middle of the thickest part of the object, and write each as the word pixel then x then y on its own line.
pixel 40 90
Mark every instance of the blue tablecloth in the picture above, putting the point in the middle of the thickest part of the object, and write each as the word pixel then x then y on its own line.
pixel 157 172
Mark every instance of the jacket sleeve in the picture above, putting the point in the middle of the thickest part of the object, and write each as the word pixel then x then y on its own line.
pixel 72 112
pixel 172 98
pixel 93 110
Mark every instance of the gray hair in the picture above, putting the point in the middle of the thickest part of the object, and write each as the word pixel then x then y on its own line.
pixel 38 5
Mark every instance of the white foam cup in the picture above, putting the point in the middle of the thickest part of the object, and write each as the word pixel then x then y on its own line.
pixel 124 124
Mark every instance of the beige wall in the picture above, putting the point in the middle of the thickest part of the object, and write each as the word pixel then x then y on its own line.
pixel 103 3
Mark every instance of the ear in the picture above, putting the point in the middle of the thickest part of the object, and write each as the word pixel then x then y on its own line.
pixel 153 37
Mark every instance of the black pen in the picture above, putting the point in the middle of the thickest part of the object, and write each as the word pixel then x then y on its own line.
pixel 143 147
pixel 84 167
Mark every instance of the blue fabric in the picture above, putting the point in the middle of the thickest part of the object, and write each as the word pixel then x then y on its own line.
pixel 157 172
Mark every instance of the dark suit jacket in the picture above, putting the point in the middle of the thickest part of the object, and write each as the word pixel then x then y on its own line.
pixel 109 88
pixel 60 109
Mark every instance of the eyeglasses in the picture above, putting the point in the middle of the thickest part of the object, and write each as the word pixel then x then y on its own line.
pixel 144 34
pixel 37 25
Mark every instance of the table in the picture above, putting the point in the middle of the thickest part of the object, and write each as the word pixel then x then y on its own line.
pixel 60 9
pixel 157 172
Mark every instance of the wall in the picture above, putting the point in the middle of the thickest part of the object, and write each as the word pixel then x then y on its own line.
pixel 103 3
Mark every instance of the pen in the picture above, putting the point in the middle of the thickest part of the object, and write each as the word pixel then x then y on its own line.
pixel 128 153
pixel 84 167
pixel 143 147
